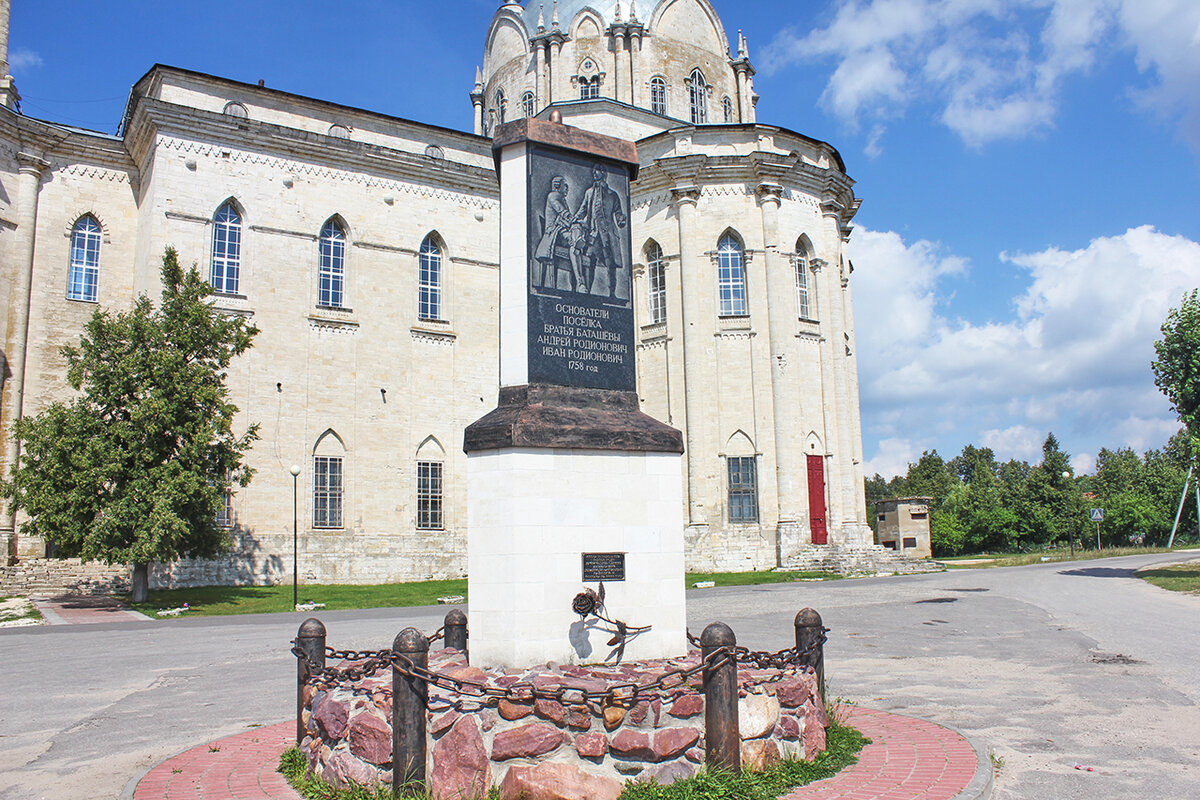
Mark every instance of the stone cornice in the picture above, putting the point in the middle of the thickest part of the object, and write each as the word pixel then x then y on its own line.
pixel 155 118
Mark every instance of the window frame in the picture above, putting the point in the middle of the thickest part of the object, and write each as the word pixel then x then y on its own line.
pixel 331 265
pixel 83 268
pixel 589 89
pixel 698 97
pixel 430 278
pixel 501 106
pixel 731 278
pixel 656 284
pixel 431 495
pixel 742 486
pixel 727 109
pixel 328 492
pixel 227 234
pixel 804 289
pixel 658 96
pixel 529 104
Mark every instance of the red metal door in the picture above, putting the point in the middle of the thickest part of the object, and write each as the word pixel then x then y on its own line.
pixel 816 499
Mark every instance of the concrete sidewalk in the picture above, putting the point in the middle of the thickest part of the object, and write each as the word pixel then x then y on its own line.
pixel 908 759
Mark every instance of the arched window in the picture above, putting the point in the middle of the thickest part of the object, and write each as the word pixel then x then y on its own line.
pixel 656 284
pixel 501 106
pixel 235 109
pixel 742 470
pixel 698 92
pixel 429 300
pixel 431 459
pixel 331 278
pixel 84 273
pixel 329 484
pixel 727 108
pixel 226 250
pixel 589 90
pixel 731 277
pixel 804 304
pixel 528 104
pixel 658 96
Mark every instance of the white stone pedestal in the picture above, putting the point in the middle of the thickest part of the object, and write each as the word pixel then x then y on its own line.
pixel 532 513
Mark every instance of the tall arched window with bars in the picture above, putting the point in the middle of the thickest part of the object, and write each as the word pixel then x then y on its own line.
pixel 528 105
pixel 727 109
pixel 84 273
pixel 429 300
pixel 501 106
pixel 698 92
pixel 226 265
pixel 656 284
pixel 731 277
pixel 805 308
pixel 658 96
pixel 331 279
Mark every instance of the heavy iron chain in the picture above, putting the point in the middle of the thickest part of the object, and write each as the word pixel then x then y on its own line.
pixel 615 694
pixel 781 659
pixel 370 662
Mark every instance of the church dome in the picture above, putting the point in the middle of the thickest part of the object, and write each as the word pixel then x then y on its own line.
pixel 669 57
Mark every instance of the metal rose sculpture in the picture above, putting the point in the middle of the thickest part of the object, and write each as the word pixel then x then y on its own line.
pixel 590 602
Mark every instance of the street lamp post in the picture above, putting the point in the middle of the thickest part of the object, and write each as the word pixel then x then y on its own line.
pixel 295 470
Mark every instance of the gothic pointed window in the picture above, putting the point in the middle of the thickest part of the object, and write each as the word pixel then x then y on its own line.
pixel 226 250
pixel 804 299
pixel 528 104
pixel 84 272
pixel 698 92
pixel 501 106
pixel 658 96
pixel 429 496
pixel 329 482
pixel 331 279
pixel 727 109
pixel 743 489
pixel 656 284
pixel 731 277
pixel 429 300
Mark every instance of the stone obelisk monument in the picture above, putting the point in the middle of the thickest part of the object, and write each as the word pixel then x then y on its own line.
pixel 568 483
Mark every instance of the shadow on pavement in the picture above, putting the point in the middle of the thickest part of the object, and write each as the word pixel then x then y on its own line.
pixel 1100 572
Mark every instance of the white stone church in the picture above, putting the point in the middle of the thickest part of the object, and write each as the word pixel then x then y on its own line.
pixel 365 247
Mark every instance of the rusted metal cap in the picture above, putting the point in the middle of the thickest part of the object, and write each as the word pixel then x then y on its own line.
pixel 410 640
pixel 718 634
pixel 807 618
pixel 311 628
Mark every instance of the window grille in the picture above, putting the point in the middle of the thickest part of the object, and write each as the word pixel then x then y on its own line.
pixel 698 92
pixel 225 511
pixel 727 108
pixel 589 90
pixel 429 496
pixel 226 250
pixel 331 283
pixel 528 104
pixel 657 284
pixel 501 106
pixel 85 260
pixel 327 492
pixel 803 299
pixel 743 489
pixel 658 96
pixel 731 278
pixel 429 301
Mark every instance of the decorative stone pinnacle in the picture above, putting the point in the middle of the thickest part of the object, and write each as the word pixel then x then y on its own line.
pixel 554 18
pixel 633 10
pixel 617 13
pixel 478 79
pixel 541 22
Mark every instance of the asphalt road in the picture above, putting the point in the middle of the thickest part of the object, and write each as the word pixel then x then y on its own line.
pixel 1048 666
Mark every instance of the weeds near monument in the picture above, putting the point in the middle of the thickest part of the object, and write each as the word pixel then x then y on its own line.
pixel 137 466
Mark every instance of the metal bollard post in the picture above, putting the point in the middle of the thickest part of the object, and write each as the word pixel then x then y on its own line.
pixel 810 630
pixel 311 641
pixel 410 699
pixel 722 740
pixel 456 630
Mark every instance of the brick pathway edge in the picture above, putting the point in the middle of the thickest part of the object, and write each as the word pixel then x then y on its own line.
pixel 908 758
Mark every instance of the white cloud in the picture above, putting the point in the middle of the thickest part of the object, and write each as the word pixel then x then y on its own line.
pixel 1073 357
pixel 21 60
pixel 995 68
pixel 891 459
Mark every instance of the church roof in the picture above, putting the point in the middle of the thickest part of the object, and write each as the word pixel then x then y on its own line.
pixel 567 9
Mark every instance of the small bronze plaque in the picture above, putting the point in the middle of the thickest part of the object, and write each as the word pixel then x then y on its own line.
pixel 603 567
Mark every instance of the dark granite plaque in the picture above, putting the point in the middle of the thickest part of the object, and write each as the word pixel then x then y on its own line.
pixel 603 567
pixel 580 272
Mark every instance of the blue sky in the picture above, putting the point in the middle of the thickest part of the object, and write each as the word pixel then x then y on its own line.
pixel 1030 171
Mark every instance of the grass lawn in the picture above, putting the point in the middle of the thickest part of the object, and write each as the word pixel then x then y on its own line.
pixel 988 560
pixel 207 601
pixel 1177 578
pixel 225 600
pixel 751 578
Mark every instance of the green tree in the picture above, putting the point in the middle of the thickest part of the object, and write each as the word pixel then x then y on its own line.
pixel 1052 503
pixel 1177 367
pixel 136 467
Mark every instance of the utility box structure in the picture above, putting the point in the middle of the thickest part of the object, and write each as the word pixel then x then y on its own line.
pixel 902 524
